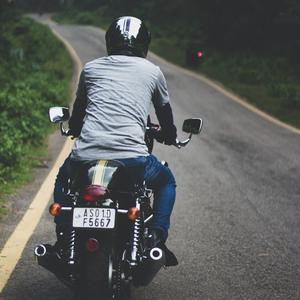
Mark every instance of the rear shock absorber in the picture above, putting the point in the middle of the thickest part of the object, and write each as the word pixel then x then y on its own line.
pixel 134 254
pixel 70 255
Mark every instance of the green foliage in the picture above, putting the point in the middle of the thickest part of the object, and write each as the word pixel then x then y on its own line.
pixel 271 83
pixel 34 73
pixel 81 17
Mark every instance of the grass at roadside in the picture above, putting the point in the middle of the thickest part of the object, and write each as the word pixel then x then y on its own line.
pixel 35 71
pixel 33 158
pixel 98 18
pixel 269 81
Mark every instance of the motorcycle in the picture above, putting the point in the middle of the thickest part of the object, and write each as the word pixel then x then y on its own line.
pixel 106 249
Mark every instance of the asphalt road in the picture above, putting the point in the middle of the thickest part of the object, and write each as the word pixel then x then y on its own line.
pixel 236 223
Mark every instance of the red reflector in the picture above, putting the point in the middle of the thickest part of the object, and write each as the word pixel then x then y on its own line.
pixel 92 245
pixel 199 54
pixel 54 209
pixel 94 192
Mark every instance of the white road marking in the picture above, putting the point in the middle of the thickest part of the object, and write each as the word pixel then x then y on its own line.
pixel 13 249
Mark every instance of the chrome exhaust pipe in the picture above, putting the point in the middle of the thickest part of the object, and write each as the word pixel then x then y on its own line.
pixel 40 250
pixel 156 253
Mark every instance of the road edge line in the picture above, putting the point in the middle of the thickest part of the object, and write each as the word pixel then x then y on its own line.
pixel 16 243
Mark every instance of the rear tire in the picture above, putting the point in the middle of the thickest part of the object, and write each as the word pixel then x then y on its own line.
pixel 123 289
pixel 93 283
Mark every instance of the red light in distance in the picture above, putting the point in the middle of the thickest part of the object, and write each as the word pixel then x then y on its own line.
pixel 200 54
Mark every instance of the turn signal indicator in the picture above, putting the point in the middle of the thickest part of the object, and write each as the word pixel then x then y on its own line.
pixel 54 209
pixel 133 213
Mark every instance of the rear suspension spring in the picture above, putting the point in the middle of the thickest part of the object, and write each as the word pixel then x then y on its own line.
pixel 136 239
pixel 71 248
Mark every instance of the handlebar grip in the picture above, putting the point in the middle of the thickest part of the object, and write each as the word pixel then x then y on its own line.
pixel 180 144
pixel 63 131
pixel 155 132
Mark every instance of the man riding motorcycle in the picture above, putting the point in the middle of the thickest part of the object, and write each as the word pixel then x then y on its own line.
pixel 109 118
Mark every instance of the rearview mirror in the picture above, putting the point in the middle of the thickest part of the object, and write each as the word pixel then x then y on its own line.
pixel 192 126
pixel 58 114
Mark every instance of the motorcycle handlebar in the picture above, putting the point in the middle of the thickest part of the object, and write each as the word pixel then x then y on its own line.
pixel 64 131
pixel 180 144
pixel 154 130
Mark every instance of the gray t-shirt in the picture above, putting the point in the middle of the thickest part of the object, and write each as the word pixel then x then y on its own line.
pixel 118 91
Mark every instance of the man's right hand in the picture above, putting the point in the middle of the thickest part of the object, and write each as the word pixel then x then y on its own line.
pixel 167 137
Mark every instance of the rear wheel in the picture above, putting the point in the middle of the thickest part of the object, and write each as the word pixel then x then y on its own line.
pixel 122 289
pixel 95 271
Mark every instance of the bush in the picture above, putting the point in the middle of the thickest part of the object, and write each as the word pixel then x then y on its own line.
pixel 34 74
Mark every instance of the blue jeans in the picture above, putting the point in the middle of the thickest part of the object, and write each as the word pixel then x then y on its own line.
pixel 158 177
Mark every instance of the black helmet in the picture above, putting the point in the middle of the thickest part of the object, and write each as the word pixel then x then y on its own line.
pixel 127 35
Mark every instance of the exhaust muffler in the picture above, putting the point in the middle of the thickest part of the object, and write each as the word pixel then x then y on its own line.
pixel 149 267
pixel 48 258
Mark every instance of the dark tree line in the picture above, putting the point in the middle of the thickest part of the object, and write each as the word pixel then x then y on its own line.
pixel 230 24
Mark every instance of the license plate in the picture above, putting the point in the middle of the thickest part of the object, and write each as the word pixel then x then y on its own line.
pixel 88 217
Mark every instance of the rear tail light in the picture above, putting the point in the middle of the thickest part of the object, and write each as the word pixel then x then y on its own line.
pixel 55 209
pixel 93 193
pixel 133 213
pixel 92 245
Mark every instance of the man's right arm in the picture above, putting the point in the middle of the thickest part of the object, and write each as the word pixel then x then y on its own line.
pixel 79 107
pixel 164 112
pixel 168 129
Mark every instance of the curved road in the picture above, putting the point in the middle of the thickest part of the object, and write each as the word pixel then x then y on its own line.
pixel 236 222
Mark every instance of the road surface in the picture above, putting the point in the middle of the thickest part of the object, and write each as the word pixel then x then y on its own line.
pixel 236 223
